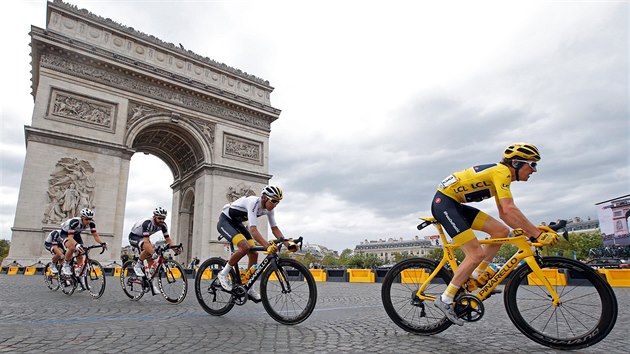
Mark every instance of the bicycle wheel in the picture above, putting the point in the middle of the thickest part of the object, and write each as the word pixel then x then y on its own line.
pixel 68 284
pixel 51 279
pixel 95 279
pixel 172 281
pixel 586 315
pixel 288 293
pixel 398 293
pixel 130 282
pixel 210 295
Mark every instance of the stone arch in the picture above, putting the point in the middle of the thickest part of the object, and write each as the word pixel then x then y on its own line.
pixel 103 92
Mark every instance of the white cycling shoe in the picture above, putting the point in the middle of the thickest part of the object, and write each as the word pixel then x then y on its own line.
pixel 448 311
pixel 225 281
pixel 253 294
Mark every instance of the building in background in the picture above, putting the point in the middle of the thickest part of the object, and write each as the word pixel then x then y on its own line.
pixel 385 249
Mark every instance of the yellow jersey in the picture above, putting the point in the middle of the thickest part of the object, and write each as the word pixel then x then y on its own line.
pixel 477 183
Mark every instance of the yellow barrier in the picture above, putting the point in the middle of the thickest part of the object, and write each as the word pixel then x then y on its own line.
pixel 96 272
pixel 318 274
pixel 117 271
pixel 176 273
pixel 413 276
pixel 207 274
pixel 13 270
pixel 361 276
pixel 618 277
pixel 555 278
pixel 30 271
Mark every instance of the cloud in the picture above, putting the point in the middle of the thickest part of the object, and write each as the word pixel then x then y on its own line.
pixel 380 101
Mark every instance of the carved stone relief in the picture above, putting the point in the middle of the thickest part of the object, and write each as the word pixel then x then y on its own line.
pixel 73 108
pixel 240 190
pixel 70 189
pixel 242 149
pixel 64 64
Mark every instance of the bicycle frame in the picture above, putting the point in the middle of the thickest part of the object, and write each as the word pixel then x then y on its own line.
pixel 525 253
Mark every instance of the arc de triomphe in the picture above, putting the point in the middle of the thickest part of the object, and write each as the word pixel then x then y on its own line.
pixel 104 91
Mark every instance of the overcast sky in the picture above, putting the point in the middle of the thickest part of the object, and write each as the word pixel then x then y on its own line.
pixel 382 99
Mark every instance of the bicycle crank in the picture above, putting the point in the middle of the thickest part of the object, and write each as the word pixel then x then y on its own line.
pixel 469 308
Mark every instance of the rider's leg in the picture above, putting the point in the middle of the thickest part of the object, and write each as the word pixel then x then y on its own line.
pixel 242 248
pixel 147 251
pixel 474 254
pixel 70 247
pixel 57 254
pixel 495 229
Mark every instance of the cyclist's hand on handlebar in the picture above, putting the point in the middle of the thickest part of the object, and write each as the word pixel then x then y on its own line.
pixel 104 245
pixel 177 251
pixel 79 248
pixel 548 238
pixel 272 248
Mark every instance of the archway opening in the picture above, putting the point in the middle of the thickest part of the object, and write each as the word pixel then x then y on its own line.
pixel 148 187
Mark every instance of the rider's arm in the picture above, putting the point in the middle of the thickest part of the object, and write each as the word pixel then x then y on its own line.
pixel 258 237
pixel 512 215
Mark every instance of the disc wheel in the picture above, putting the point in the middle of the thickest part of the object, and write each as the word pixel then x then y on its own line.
pixel 404 307
pixel 586 314
pixel 130 282
pixel 51 279
pixel 95 279
pixel 172 281
pixel 210 295
pixel 288 293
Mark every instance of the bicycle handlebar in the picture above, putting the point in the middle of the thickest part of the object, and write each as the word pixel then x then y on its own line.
pixel 163 248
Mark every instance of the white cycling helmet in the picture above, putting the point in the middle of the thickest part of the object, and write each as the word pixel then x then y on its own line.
pixel 87 213
pixel 159 211
pixel 272 192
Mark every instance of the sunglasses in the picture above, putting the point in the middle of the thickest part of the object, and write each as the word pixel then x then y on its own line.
pixel 161 219
pixel 274 201
pixel 531 164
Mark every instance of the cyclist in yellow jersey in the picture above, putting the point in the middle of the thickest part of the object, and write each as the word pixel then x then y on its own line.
pixel 459 220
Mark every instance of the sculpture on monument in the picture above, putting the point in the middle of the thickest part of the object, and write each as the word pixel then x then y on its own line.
pixel 70 189
pixel 239 191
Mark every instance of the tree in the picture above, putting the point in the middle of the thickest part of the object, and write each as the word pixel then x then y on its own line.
pixel 4 249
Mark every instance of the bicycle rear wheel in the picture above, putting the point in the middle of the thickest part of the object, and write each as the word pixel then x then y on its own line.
pixel 401 303
pixel 172 281
pixel 95 279
pixel 585 316
pixel 51 279
pixel 210 295
pixel 288 293
pixel 130 282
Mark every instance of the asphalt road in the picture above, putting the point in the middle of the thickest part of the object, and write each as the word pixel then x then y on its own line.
pixel 348 318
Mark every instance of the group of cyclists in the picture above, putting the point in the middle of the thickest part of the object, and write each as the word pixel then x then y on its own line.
pixel 63 243
pixel 449 207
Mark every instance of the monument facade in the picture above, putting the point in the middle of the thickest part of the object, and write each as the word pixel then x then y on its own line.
pixel 103 92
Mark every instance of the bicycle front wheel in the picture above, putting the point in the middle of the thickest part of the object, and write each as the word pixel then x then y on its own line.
pixel 585 316
pixel 288 293
pixel 172 281
pixel 404 307
pixel 210 295
pixel 95 279
pixel 130 282
pixel 51 279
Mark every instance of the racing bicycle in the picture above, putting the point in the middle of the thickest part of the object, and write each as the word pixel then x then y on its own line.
pixel 169 274
pixel 555 301
pixel 91 271
pixel 287 288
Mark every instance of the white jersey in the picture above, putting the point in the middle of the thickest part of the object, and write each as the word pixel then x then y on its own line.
pixel 248 209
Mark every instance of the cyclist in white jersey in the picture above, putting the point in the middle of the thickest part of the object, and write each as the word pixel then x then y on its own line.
pixel 70 236
pixel 139 238
pixel 231 227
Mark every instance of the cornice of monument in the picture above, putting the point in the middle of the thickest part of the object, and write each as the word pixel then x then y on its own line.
pixel 60 5
pixel 72 30
pixel 55 138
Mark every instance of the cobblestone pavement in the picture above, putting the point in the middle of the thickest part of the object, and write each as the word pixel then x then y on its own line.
pixel 348 318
